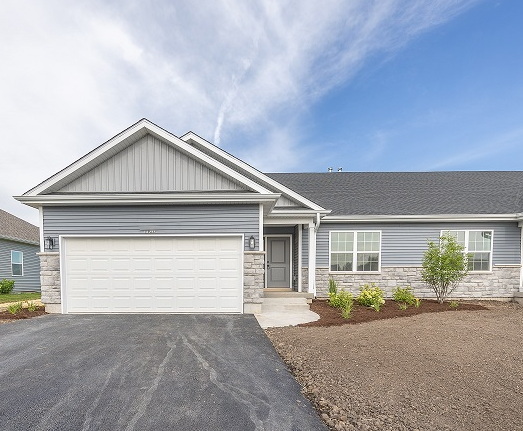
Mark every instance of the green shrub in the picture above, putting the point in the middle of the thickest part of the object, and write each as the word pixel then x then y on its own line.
pixel 402 306
pixel 371 296
pixel 340 299
pixel 32 306
pixel 15 308
pixel 454 304
pixel 404 295
pixel 6 286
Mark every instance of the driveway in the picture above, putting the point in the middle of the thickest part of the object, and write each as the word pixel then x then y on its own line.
pixel 146 372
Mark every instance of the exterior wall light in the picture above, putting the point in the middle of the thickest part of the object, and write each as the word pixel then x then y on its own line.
pixel 48 243
pixel 252 242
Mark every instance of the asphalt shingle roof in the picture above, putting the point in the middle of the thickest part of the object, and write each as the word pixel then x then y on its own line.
pixel 410 193
pixel 12 227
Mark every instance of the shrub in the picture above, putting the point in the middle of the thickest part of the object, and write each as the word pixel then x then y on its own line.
pixel 32 306
pixel 454 304
pixel 403 306
pixel 340 299
pixel 371 296
pixel 444 266
pixel 6 286
pixel 404 295
pixel 15 308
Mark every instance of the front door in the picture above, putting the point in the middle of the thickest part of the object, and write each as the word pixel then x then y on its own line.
pixel 278 262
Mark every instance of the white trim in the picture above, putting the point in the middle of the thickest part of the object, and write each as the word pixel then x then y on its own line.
pixel 22 263
pixel 283 235
pixel 521 259
pixel 355 252
pixel 41 233
pixel 246 167
pixel 126 137
pixel 420 218
pixel 467 232
pixel 63 251
pixel 312 259
pixel 146 199
pixel 261 241
pixel 300 258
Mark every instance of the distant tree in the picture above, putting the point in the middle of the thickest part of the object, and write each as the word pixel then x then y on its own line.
pixel 444 266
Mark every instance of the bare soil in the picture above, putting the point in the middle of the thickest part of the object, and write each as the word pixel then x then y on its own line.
pixel 457 370
pixel 6 317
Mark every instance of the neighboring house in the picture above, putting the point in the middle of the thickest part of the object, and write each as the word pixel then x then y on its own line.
pixel 19 245
pixel 151 222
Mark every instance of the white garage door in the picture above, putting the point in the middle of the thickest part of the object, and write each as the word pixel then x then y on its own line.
pixel 152 275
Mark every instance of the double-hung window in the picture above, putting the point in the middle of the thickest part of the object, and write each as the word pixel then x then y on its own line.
pixel 355 251
pixel 17 263
pixel 478 246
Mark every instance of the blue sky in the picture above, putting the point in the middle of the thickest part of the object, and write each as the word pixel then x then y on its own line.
pixel 385 85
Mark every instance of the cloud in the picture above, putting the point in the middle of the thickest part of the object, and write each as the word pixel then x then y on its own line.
pixel 74 74
pixel 485 149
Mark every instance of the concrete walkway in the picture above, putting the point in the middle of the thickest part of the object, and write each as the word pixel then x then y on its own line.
pixel 285 311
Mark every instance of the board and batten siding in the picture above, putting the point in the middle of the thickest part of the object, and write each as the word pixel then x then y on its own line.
pixel 162 219
pixel 151 165
pixel 30 280
pixel 403 244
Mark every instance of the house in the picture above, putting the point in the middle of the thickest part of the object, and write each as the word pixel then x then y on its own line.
pixel 19 244
pixel 152 222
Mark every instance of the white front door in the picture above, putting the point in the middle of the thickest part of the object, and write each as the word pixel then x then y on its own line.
pixel 278 261
pixel 152 274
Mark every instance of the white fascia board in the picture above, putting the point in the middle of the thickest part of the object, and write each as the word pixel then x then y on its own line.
pixel 253 171
pixel 158 132
pixel 23 241
pixel 420 218
pixel 297 213
pixel 148 199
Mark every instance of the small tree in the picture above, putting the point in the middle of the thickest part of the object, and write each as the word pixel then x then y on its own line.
pixel 444 266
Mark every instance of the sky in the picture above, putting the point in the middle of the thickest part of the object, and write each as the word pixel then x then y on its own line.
pixel 288 86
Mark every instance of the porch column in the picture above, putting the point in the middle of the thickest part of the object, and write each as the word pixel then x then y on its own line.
pixel 312 258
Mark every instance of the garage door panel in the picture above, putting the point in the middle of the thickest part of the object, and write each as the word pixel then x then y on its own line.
pixel 153 274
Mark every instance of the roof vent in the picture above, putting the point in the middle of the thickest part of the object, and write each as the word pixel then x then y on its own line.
pixel 329 169
pixel 340 169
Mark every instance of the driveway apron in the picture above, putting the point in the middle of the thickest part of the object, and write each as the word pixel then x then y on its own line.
pixel 146 372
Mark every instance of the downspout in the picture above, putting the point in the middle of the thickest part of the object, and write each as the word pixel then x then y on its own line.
pixel 520 224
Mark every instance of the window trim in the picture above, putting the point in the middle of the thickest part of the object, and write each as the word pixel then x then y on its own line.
pixel 466 251
pixel 355 252
pixel 16 263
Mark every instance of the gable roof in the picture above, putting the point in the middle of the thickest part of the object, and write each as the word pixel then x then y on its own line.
pixel 122 141
pixel 16 229
pixel 289 196
pixel 410 193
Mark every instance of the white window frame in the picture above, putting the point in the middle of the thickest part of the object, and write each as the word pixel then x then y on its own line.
pixel 17 263
pixel 355 252
pixel 466 251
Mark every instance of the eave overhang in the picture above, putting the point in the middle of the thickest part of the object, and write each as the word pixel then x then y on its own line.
pixel 422 218
pixel 267 200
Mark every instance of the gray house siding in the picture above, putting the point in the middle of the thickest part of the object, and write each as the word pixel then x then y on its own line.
pixel 150 165
pixel 168 219
pixel 30 280
pixel 403 244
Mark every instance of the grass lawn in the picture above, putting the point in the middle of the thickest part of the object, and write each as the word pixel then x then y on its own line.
pixel 16 297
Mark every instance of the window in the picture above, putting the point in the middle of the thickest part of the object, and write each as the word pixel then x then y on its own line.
pixel 355 251
pixel 17 263
pixel 478 245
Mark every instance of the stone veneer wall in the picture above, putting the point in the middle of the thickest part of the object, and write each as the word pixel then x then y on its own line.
pixel 253 280
pixel 501 283
pixel 50 281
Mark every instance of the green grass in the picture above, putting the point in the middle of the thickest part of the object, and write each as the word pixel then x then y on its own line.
pixel 15 297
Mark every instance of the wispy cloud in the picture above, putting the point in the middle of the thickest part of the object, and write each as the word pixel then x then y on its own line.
pixel 74 74
pixel 482 150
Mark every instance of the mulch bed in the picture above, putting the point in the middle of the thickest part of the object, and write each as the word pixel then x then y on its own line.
pixel 330 316
pixel 23 314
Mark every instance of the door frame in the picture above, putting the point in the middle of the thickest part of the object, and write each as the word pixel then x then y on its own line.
pixel 289 236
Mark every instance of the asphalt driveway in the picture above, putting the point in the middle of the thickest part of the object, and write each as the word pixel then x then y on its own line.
pixel 146 372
